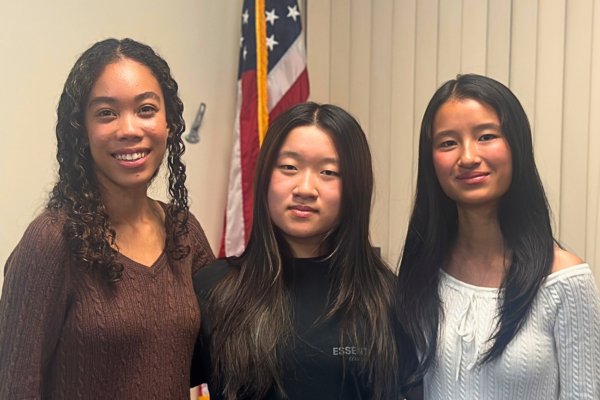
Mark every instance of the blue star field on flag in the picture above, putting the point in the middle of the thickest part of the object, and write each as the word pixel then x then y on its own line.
pixel 284 25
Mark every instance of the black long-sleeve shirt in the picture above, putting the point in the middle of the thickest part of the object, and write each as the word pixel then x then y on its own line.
pixel 316 367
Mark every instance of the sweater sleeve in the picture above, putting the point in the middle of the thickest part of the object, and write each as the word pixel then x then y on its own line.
pixel 577 337
pixel 32 308
pixel 201 250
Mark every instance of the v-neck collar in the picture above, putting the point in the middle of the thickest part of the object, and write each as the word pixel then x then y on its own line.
pixel 159 263
pixel 152 270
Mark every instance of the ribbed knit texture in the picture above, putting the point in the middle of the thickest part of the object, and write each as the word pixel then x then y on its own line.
pixel 68 335
pixel 555 355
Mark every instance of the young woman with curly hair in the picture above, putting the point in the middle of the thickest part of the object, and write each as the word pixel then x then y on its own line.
pixel 98 298
pixel 496 308
pixel 306 311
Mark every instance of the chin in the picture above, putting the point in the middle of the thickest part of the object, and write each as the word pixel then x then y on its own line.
pixel 477 201
pixel 294 233
pixel 135 184
pixel 300 233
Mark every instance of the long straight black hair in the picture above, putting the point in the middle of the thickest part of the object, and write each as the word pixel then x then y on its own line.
pixel 523 216
pixel 252 306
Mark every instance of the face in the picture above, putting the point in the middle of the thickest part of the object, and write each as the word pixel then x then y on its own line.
pixel 471 156
pixel 305 188
pixel 126 125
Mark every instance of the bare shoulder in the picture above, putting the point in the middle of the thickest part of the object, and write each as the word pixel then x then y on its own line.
pixel 563 260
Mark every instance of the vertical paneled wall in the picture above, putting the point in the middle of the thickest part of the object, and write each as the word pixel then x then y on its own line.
pixel 383 59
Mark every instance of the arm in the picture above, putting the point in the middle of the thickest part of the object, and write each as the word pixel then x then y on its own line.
pixel 577 336
pixel 201 252
pixel 32 309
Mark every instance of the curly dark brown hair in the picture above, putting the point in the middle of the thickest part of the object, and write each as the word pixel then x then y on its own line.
pixel 88 231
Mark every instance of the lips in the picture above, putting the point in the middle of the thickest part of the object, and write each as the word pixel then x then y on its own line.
pixel 302 211
pixel 473 177
pixel 131 158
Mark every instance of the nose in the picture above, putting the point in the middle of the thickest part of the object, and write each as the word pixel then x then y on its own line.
pixel 469 156
pixel 306 186
pixel 128 128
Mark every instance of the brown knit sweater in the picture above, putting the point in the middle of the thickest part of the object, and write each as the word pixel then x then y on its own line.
pixel 68 335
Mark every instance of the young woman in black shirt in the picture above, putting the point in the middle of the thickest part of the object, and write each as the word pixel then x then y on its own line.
pixel 306 311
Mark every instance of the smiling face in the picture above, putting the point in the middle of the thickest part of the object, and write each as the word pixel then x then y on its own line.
pixel 305 190
pixel 126 125
pixel 471 156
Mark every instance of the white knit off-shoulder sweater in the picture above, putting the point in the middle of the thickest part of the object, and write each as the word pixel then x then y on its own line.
pixel 555 355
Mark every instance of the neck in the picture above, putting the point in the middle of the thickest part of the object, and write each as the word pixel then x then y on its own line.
pixel 305 248
pixel 127 207
pixel 479 254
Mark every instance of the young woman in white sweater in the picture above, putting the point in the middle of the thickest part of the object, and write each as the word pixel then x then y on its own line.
pixel 495 307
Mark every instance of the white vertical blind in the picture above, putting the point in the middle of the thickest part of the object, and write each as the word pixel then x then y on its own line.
pixel 381 114
pixel 549 98
pixel 318 37
pixel 474 46
pixel 593 220
pixel 383 59
pixel 498 40
pixel 576 115
pixel 523 50
pixel 450 44
pixel 340 53
pixel 403 124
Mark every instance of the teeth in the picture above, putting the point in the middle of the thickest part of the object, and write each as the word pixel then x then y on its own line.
pixel 130 157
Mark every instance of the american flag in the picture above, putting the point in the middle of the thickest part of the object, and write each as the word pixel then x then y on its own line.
pixel 272 77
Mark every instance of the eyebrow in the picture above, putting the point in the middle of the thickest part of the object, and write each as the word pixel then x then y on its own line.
pixel 478 128
pixel 297 156
pixel 147 95
pixel 112 100
pixel 489 125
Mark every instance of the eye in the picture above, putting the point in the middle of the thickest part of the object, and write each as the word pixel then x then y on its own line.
pixel 448 143
pixel 105 113
pixel 147 110
pixel 330 173
pixel 487 137
pixel 287 167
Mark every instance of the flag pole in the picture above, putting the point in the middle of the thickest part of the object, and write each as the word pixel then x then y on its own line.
pixel 262 64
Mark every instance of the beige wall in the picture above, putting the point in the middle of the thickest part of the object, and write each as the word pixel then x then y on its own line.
pixel 41 41
pixel 380 59
pixel 383 59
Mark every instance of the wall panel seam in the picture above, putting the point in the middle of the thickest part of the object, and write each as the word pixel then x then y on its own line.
pixel 595 223
pixel 330 52
pixel 510 49
pixel 562 131
pixel 414 106
pixel 535 78
pixel 437 43
pixel 589 126
pixel 462 33
pixel 350 58
pixel 391 132
pixel 487 37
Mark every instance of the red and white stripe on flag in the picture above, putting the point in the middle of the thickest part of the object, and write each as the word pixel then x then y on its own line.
pixel 272 35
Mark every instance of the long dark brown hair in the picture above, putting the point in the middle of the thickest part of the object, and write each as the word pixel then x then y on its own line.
pixel 251 307
pixel 523 216
pixel 90 237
